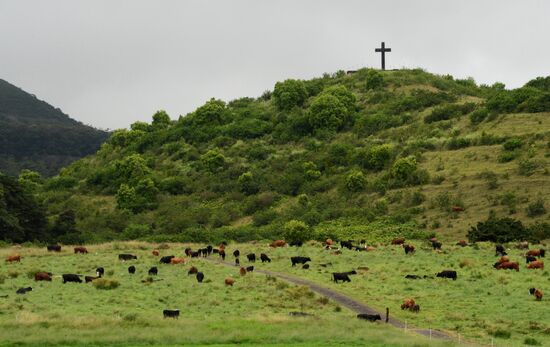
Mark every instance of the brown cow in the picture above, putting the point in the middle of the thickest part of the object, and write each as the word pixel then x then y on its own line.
pixel 221 247
pixel 156 253
pixel 462 243
pixel 242 271
pixel 503 259
pixel 537 264
pixel 536 253
pixel 177 260
pixel 229 281
pixel 192 270
pixel 370 248
pixel 537 293
pixel 12 258
pixel 278 243
pixel 80 249
pixel 457 209
pixel 408 304
pixel 329 242
pixel 43 276
pixel 509 265
pixel 398 241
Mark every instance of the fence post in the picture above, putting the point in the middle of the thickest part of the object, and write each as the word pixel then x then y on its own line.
pixel 387 314
pixel 430 333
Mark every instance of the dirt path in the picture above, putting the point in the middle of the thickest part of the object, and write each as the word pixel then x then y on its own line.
pixel 349 302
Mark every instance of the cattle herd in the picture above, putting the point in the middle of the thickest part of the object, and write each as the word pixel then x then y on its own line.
pixel 533 260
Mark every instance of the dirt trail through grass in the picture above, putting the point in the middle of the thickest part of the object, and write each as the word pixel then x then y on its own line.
pixel 354 305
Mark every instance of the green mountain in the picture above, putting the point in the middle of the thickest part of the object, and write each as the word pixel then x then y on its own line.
pixel 372 154
pixel 35 135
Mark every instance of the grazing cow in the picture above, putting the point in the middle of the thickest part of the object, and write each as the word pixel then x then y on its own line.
pixel 203 252
pixel 167 259
pixel 132 269
pixel 71 278
pixel 436 245
pixel 509 265
pixel 264 258
pixel 499 250
pixel 447 274
pixel 23 290
pixel 346 244
pixel 209 249
pixel 215 251
pixel 398 241
pixel 236 253
pixel 54 248
pixel 100 271
pixel 192 270
pixel 329 242
pixel 503 259
pixel 415 308
pixel 523 245
pixel 171 313
pixel 369 317
pixel 80 249
pixel 153 271
pixel 237 262
pixel 409 249
pixel 12 258
pixel 297 243
pixel 537 253
pixel 222 254
pixel 537 264
pixel 408 304
pixel 413 277
pixel 305 266
pixel 537 293
pixel 177 260
pixel 125 257
pixel 188 251
pixel 242 271
pixel 530 258
pixel 299 260
pixel 249 268
pixel 340 276
pixel 457 209
pixel 195 254
pixel 200 277
pixel 277 243
pixel 90 278
pixel 362 242
pixel 462 243
pixel 229 281
pixel 251 257
pixel 156 253
pixel 43 276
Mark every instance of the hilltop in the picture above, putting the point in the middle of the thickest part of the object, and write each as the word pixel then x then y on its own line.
pixel 35 135
pixel 370 154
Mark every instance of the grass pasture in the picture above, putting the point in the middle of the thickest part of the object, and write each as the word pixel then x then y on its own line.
pixel 254 312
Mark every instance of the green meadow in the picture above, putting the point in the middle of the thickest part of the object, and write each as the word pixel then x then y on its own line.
pixel 483 304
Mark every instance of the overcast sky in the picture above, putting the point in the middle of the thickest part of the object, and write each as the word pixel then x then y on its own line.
pixel 110 63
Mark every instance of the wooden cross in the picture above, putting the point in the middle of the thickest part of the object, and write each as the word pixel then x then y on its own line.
pixel 383 50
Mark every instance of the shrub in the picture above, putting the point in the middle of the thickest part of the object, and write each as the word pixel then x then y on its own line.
pixel 289 94
pixel 376 157
pixel 446 112
pixel 104 283
pixel 374 80
pixel 371 124
pixel 135 231
pixel 498 230
pixel 213 160
pixel 536 208
pixel 527 167
pixel 417 198
pixel 512 144
pixel 507 157
pixel 356 181
pixel 539 231
pixel 531 342
pixel 479 115
pixel 327 112
pixel 404 168
pixel 458 143
pixel 296 231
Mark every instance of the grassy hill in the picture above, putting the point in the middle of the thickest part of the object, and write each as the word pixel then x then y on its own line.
pixel 35 135
pixel 373 154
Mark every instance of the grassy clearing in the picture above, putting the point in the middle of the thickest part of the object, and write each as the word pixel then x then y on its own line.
pixel 253 312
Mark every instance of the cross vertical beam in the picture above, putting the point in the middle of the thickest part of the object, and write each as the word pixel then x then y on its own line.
pixel 383 50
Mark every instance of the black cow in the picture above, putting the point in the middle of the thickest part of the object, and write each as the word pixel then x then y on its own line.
pixel 215 251
pixel 194 254
pixel 125 257
pixel 299 260
pixel 188 251
pixel 54 248
pixel 340 276
pixel 369 317
pixel 237 262
pixel 236 253
pixel 249 268
pixel 346 244
pixel 23 290
pixel 200 277
pixel 436 245
pixel 99 271
pixel 132 269
pixel 499 250
pixel 409 249
pixel 264 258
pixel 167 259
pixel 447 274
pixel 71 278
pixel 88 279
pixel 362 242
pixel 412 277
pixel 153 271
pixel 296 243
pixel 530 258
pixel 251 257
pixel 305 266
pixel 171 313
pixel 209 249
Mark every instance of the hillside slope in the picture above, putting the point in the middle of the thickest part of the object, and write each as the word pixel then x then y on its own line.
pixel 34 135
pixel 373 154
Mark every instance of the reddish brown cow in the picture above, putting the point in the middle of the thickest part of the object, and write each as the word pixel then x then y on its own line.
pixel 504 259
pixel 509 265
pixel 242 271
pixel 398 241
pixel 278 243
pixel 536 253
pixel 229 281
pixel 192 270
pixel 537 264
pixel 177 260
pixel 457 209
pixel 537 293
pixel 462 243
pixel 43 276
pixel 156 253
pixel 329 242
pixel 408 304
pixel 80 249
pixel 12 258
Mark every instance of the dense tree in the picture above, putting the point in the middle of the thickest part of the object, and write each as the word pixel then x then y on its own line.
pixel 296 231
pixel 289 94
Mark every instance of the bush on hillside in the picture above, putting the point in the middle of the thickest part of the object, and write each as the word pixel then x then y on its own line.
pixel 479 115
pixel 512 144
pixel 374 80
pixel 446 112
pixel 289 94
pixel 356 181
pixel 297 231
pixel 536 208
pixel 499 230
pixel 105 284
